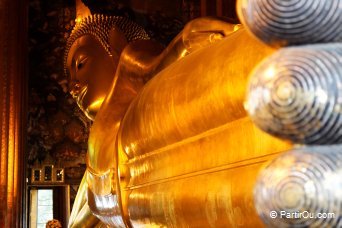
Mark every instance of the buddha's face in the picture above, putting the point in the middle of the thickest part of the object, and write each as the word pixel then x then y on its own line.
pixel 91 71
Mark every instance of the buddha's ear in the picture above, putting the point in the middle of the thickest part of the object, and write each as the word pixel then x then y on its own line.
pixel 117 41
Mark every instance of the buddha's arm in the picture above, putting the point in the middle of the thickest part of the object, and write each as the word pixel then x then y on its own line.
pixel 85 218
pixel 102 155
pixel 196 34
pixel 193 153
pixel 80 200
pixel 140 61
pixel 80 211
pixel 128 81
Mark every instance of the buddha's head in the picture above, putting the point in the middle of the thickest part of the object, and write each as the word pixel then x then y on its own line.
pixel 92 55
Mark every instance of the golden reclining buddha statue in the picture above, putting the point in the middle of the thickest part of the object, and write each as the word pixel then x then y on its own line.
pixel 172 144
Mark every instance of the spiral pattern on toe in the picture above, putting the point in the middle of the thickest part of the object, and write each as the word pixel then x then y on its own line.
pixel 291 22
pixel 307 181
pixel 296 94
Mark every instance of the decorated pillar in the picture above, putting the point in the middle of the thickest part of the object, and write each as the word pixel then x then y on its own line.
pixel 13 33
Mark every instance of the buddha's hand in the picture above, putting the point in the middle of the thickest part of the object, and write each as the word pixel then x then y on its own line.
pixel 103 199
pixel 205 31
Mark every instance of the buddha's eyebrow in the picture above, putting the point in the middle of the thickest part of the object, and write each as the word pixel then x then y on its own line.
pixel 81 50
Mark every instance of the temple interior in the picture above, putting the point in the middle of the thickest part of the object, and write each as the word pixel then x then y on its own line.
pixel 194 127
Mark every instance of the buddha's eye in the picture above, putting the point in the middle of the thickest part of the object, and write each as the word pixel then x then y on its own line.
pixel 80 64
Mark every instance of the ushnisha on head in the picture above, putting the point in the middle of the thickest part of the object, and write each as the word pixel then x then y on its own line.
pixel 91 56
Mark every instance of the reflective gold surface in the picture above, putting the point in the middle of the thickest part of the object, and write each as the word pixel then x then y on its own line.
pixel 139 61
pixel 84 218
pixel 79 203
pixel 189 143
pixel 186 154
pixel 206 180
pixel 87 53
pixel 203 91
